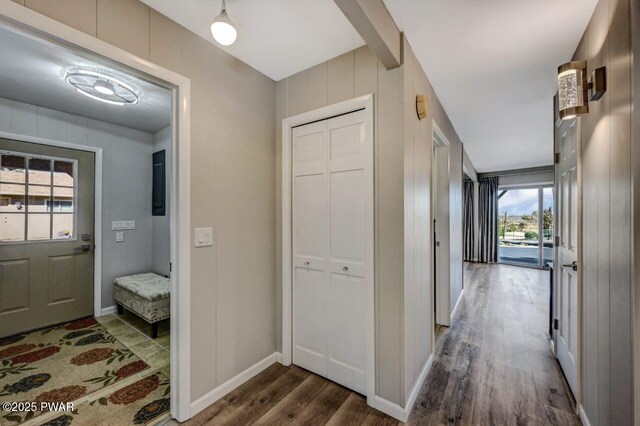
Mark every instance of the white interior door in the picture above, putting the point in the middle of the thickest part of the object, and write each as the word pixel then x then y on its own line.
pixel 332 240
pixel 566 277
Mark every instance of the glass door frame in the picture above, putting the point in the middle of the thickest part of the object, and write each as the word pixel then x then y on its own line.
pixel 540 188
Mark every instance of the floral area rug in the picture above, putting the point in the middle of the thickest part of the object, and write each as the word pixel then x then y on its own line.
pixel 61 364
pixel 139 403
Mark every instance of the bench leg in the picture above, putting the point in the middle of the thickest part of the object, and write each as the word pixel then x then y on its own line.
pixel 154 330
pixel 120 309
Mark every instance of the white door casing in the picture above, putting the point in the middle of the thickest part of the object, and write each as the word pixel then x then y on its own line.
pixel 567 339
pixel 329 248
pixel 336 338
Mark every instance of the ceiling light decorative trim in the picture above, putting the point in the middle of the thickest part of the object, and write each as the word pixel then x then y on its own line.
pixel 102 86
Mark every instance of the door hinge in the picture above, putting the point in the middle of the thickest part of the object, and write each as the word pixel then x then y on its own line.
pixel 557 158
pixel 556 324
pixel 557 241
pixel 170 267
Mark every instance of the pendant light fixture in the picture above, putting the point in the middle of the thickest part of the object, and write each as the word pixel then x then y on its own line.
pixel 223 29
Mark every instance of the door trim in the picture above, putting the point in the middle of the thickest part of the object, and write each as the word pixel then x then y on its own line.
pixel 15 15
pixel 363 102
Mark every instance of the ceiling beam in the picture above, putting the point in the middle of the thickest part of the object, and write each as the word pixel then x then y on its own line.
pixel 376 26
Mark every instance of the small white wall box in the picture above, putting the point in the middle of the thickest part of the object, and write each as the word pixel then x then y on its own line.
pixel 203 237
pixel 121 225
pixel 119 237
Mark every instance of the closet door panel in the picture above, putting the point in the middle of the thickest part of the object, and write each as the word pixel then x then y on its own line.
pixel 347 251
pixel 347 240
pixel 309 327
pixel 346 332
pixel 310 246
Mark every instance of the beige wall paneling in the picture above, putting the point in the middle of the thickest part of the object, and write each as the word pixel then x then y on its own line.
pixel 79 14
pixel 389 193
pixel 165 42
pixel 410 225
pixel 340 78
pixel 317 87
pixel 620 212
pixel 125 24
pixel 606 208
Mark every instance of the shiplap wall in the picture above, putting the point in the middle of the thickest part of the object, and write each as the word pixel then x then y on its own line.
pixel 418 149
pixel 232 180
pixel 126 180
pixel 605 153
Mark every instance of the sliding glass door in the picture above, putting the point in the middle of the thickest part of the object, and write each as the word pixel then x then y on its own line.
pixel 525 225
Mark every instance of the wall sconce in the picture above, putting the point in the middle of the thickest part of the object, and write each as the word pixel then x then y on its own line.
pixel 422 106
pixel 575 91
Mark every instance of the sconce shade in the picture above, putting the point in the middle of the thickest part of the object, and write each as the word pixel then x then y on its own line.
pixel 572 89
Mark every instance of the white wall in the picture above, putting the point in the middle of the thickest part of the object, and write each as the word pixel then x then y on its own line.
pixel 126 181
pixel 161 250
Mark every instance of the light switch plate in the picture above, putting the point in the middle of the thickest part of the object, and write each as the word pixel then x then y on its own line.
pixel 203 237
pixel 119 225
pixel 119 237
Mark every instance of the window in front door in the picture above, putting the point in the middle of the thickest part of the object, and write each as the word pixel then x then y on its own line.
pixel 37 198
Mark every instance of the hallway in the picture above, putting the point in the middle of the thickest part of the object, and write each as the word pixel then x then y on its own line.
pixel 494 365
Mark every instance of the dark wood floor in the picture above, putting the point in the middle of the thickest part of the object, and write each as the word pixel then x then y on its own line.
pixel 493 366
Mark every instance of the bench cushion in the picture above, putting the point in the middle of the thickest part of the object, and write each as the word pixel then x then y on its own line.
pixel 147 295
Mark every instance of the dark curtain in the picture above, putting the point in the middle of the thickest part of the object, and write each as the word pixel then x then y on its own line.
pixel 469 237
pixel 488 219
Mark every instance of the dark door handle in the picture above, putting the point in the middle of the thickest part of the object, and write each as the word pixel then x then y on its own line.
pixel 573 265
pixel 84 248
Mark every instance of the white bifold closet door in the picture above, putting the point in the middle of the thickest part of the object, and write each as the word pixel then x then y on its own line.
pixel 331 171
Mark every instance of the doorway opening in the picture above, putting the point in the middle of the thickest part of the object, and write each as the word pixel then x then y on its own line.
pixel 86 222
pixel 525 225
pixel 441 228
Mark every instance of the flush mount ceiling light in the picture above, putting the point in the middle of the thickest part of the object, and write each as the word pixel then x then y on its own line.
pixel 223 29
pixel 102 87
pixel 575 91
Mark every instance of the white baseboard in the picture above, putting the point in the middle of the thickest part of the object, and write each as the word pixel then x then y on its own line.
pixel 217 393
pixel 279 357
pixel 418 385
pixel 108 311
pixel 390 408
pixel 394 410
pixel 583 416
pixel 455 308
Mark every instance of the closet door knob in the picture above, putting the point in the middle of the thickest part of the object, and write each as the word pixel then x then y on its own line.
pixel 345 268
pixel 306 263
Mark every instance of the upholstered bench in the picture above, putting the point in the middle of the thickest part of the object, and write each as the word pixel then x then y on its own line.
pixel 146 295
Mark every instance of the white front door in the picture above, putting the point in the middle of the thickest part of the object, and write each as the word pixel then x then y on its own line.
pixel 566 277
pixel 331 241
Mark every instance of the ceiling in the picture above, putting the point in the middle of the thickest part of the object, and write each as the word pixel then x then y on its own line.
pixel 33 72
pixel 277 37
pixel 493 66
